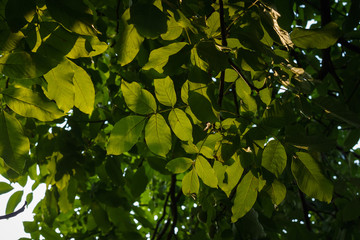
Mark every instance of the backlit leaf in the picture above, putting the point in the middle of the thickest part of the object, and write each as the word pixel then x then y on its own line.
pixel 174 29
pixel 179 165
pixel 84 89
pixel 206 172
pixel 9 40
pixel 180 124
pixel 244 92
pixel 277 192
pixel 165 92
pixel 274 157
pixel 309 177
pixel 128 44
pixel 80 48
pixel 60 85
pixel 246 194
pixel 158 135
pixel 190 183
pixel 13 201
pixel 27 103
pixel 137 99
pixel 125 134
pixel 159 57
pixel 320 38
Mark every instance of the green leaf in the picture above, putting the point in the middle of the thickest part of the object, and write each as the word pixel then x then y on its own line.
pixel 84 90
pixel 159 57
pixel 60 85
pixel 190 183
pixel 14 200
pixel 174 29
pixel 5 187
pixel 100 217
pixel 80 48
pixel 137 99
pixel 213 24
pixel 22 65
pixel 125 134
pixel 73 15
pixel 17 17
pixel 179 165
pixel 206 172
pixel 129 42
pixel 310 179
pixel 9 40
pixel 139 182
pixel 180 124
pixel 228 176
pixel 158 135
pixel 165 91
pixel 208 52
pixel 149 21
pixel 201 107
pixel 320 38
pixel 231 75
pixel 274 157
pixel 244 92
pixel 246 194
pixel 49 233
pixel 277 192
pixel 27 103
pixel 265 95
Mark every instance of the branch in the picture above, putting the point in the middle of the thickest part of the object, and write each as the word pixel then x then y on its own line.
pixel 173 206
pixel 233 89
pixel 224 43
pixel 13 214
pixel 162 217
pixel 305 210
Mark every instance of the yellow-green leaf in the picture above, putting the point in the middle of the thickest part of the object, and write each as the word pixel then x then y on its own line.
pixel 137 99
pixel 179 165
pixel 274 157
pixel 87 47
pixel 190 183
pixel 27 103
pixel 158 135
pixel 206 172
pixel 180 124
pixel 277 192
pixel 14 200
pixel 310 179
pixel 165 91
pixel 125 134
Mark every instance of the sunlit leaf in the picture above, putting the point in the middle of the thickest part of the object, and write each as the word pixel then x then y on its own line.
pixel 206 172
pixel 310 179
pixel 84 89
pixel 246 194
pixel 9 40
pixel 179 165
pixel 320 38
pixel 128 44
pixel 244 92
pixel 190 183
pixel 125 134
pixel 274 157
pixel 27 103
pixel 158 135
pixel 87 47
pixel 159 57
pixel 60 85
pixel 180 124
pixel 165 92
pixel 137 99
pixel 174 29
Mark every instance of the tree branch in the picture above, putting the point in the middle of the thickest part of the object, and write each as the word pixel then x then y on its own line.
pixel 162 217
pixel 173 206
pixel 13 214
pixel 305 210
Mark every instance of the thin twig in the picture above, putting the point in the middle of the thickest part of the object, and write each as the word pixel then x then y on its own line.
pixel 305 210
pixel 173 206
pixel 162 216
pixel 13 214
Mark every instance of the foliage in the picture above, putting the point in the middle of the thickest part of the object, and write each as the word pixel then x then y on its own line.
pixel 191 119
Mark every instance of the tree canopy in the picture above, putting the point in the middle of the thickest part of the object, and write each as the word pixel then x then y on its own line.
pixel 183 119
